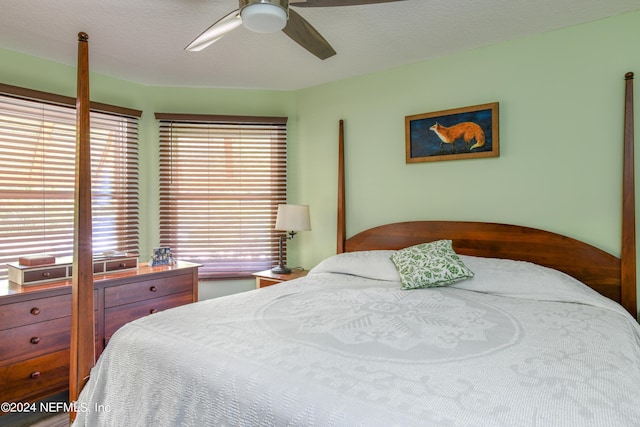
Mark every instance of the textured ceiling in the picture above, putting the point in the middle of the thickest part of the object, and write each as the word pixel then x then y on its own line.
pixel 143 40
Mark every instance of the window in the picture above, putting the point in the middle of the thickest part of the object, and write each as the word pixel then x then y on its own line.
pixel 221 180
pixel 37 175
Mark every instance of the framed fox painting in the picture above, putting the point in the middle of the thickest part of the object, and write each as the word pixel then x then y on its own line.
pixel 459 133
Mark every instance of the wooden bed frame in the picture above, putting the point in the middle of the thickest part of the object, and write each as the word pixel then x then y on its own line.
pixel 82 315
pixel 614 277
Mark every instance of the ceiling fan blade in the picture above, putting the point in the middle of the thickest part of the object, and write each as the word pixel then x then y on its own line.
pixel 332 3
pixel 306 36
pixel 215 32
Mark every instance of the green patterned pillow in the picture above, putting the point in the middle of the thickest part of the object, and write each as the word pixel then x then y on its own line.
pixel 428 265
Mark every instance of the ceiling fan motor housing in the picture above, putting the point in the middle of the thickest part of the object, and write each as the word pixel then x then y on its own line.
pixel 264 16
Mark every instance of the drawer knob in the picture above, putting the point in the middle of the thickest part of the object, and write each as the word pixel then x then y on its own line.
pixel 46 274
pixel 123 265
pixel 35 340
pixel 153 311
pixel 153 289
pixel 35 311
pixel 35 375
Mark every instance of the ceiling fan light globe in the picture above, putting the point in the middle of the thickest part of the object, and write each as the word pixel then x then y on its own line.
pixel 264 17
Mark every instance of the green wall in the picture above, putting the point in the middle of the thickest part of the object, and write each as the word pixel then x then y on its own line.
pixel 561 104
pixel 561 126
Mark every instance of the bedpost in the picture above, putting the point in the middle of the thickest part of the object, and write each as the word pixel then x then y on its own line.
pixel 342 234
pixel 82 317
pixel 628 254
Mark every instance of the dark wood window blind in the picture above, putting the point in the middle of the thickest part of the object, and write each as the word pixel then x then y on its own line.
pixel 37 173
pixel 221 180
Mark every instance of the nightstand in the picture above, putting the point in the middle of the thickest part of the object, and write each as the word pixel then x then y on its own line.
pixel 267 277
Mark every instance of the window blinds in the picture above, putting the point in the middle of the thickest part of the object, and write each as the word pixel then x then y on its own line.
pixel 37 177
pixel 221 180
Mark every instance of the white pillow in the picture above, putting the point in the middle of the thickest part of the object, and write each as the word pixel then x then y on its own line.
pixel 374 264
pixel 526 280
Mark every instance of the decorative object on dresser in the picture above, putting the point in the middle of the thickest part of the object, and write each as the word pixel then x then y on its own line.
pixel 268 277
pixel 35 322
pixel 61 268
pixel 162 256
pixel 291 218
pixel 36 260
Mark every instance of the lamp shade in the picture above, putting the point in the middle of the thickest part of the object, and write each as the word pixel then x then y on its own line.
pixel 264 17
pixel 293 218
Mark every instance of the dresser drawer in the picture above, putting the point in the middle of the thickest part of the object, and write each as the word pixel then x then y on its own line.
pixel 117 316
pixel 263 283
pixel 35 378
pixel 101 266
pixel 124 264
pixel 39 310
pixel 143 290
pixel 34 340
pixel 50 273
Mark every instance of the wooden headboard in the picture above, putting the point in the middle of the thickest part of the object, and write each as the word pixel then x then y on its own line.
pixel 611 276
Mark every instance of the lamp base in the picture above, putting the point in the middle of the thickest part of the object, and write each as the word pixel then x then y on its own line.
pixel 281 269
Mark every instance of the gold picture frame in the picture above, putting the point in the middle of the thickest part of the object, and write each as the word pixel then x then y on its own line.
pixel 458 133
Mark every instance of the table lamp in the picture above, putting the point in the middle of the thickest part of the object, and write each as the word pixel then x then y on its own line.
pixel 290 218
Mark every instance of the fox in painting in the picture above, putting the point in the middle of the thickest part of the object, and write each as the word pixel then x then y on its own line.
pixel 466 130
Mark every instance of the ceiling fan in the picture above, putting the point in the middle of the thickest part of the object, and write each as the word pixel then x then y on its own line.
pixel 269 16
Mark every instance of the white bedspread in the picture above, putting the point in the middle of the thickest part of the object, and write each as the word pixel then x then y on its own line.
pixel 336 349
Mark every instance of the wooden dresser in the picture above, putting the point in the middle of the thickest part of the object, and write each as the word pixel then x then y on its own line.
pixel 35 322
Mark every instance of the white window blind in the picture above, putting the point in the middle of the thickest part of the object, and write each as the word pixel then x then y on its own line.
pixel 221 180
pixel 37 176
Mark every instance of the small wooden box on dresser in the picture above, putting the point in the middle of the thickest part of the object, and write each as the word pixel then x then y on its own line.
pixel 35 322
